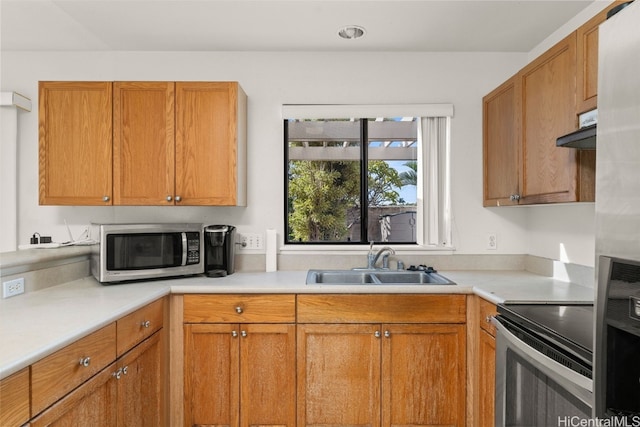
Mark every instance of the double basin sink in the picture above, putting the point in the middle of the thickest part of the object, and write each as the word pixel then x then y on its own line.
pixel 375 277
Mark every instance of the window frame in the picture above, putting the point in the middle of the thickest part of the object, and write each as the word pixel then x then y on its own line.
pixel 433 221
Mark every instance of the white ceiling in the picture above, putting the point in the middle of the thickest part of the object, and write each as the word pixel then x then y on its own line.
pixel 281 25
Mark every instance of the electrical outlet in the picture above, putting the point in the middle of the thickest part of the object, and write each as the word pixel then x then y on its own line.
pixel 11 288
pixel 492 241
pixel 251 241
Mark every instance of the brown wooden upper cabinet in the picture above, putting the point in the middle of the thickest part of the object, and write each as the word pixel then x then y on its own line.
pixel 522 120
pixel 548 87
pixel 173 143
pixel 523 117
pixel 502 144
pixel 587 73
pixel 75 154
pixel 143 143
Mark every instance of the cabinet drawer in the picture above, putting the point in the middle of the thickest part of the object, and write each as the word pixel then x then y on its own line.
pixel 14 399
pixel 57 374
pixel 486 310
pixel 385 308
pixel 239 308
pixel 139 325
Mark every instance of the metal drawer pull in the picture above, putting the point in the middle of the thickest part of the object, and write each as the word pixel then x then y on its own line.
pixel 239 310
pixel 376 334
pixel 124 370
pixel 117 374
pixel 387 334
pixel 244 334
pixel 85 361
pixel 145 323
pixel 234 334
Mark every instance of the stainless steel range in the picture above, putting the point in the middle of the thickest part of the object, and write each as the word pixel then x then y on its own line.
pixel 543 364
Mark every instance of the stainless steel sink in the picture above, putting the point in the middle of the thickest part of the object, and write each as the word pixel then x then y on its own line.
pixel 375 277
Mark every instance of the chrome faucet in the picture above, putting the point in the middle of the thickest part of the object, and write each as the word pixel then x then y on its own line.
pixel 373 259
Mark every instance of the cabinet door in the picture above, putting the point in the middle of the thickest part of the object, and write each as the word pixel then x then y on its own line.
pixel 550 173
pixel 143 143
pixel 211 374
pixel 207 136
pixel 486 379
pixel 587 72
pixel 91 404
pixel 140 391
pixel 423 375
pixel 338 375
pixel 75 161
pixel 501 144
pixel 14 399
pixel 268 375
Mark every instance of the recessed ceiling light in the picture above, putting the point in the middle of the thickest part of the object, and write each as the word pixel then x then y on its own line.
pixel 351 32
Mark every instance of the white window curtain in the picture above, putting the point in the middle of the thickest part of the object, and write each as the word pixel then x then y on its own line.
pixel 434 210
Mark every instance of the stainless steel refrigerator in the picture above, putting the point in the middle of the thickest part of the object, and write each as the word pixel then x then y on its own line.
pixel 617 221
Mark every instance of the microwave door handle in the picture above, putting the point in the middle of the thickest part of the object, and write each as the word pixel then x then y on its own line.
pixel 184 249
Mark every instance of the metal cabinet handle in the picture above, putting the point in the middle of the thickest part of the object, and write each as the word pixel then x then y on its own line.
pixel 125 370
pixel 85 361
pixel 234 334
pixel 145 323
pixel 488 319
pixel 105 198
pixel 376 334
pixel 387 334
pixel 169 198
pixel 117 374
pixel 239 310
pixel 244 334
pixel 514 197
pixel 178 199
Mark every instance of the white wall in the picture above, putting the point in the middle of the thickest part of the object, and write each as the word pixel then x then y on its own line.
pixel 273 79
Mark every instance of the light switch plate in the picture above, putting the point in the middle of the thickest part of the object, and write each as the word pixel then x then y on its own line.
pixel 251 241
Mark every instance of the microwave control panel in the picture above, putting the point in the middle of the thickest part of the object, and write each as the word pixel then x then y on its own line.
pixel 193 248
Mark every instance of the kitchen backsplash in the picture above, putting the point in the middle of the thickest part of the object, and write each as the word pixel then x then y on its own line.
pixel 42 268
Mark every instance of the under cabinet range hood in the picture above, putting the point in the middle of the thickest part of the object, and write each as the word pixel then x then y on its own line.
pixel 584 139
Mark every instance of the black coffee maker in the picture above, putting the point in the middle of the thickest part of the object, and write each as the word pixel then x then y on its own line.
pixel 219 250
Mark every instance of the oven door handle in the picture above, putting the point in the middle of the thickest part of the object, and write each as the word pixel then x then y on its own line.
pixel 565 377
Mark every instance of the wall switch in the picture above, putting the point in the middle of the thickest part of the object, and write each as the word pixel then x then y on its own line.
pixel 11 288
pixel 251 241
pixel 492 241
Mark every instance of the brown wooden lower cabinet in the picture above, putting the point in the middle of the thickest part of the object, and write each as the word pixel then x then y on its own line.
pixel 485 365
pixel 239 374
pixel 91 404
pixel 140 387
pixel 381 374
pixel 126 393
pixel 486 379
pixel 14 399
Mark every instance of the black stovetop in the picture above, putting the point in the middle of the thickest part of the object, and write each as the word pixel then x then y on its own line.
pixel 569 326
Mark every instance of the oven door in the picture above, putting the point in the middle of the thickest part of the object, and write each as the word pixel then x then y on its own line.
pixel 533 389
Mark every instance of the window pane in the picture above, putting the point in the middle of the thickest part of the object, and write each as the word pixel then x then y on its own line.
pixel 392 179
pixel 323 180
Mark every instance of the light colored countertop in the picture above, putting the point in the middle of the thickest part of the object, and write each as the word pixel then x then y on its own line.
pixel 38 323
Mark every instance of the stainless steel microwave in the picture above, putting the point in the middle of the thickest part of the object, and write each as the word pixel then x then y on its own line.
pixel 125 252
